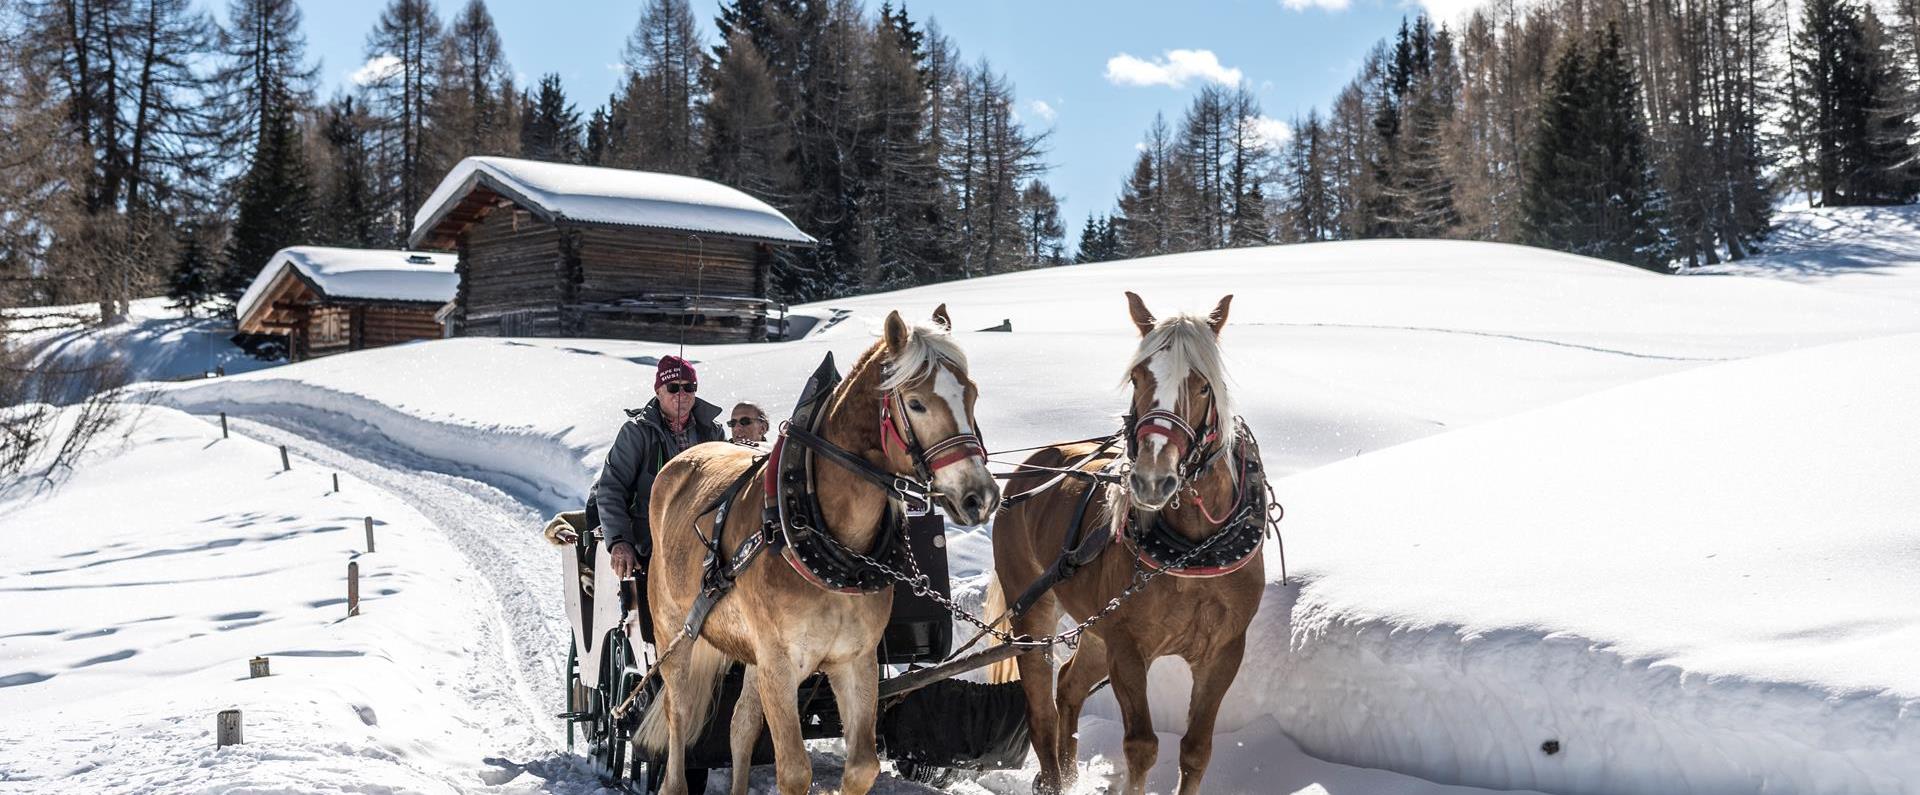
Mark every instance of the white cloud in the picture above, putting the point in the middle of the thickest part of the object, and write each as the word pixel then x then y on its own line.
pixel 1452 12
pixel 1174 70
pixel 377 68
pixel 1270 131
pixel 1302 5
pixel 1043 110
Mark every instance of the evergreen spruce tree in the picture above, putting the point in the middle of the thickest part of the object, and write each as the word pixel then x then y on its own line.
pixel 1089 249
pixel 275 203
pixel 1040 223
pixel 550 126
pixel 348 211
pixel 1889 171
pixel 1140 206
pixel 1590 188
pixel 191 283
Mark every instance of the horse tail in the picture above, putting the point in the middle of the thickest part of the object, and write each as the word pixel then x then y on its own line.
pixel 705 669
pixel 1005 670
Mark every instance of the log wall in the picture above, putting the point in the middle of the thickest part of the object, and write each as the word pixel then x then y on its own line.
pixel 512 271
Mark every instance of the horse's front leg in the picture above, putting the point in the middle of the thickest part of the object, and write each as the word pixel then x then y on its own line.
pixel 1077 678
pixel 1127 667
pixel 856 689
pixel 745 731
pixel 1212 675
pixel 779 680
pixel 1036 679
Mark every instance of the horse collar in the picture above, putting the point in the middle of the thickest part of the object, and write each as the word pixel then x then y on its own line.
pixel 793 519
pixel 1231 546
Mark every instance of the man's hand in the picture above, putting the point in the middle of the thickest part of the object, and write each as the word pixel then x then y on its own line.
pixel 624 560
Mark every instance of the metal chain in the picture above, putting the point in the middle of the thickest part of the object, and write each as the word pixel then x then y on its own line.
pixel 1071 637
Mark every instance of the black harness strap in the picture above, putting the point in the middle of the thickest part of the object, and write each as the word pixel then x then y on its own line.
pixel 1077 549
pixel 719 572
pixel 792 519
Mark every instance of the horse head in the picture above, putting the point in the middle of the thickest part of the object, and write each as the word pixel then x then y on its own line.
pixel 927 424
pixel 1180 403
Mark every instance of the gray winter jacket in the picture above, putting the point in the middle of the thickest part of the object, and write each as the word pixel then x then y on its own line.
pixel 619 499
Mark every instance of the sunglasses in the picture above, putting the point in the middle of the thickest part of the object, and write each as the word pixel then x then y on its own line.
pixel 676 388
pixel 734 423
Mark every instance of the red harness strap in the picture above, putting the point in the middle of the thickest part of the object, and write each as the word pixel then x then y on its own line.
pixel 959 448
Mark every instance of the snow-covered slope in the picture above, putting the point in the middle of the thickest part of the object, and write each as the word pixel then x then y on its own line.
pixel 1540 573
pixel 1865 250
pixel 155 341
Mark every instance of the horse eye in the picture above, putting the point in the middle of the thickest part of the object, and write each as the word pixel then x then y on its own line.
pixel 917 406
pixel 1206 389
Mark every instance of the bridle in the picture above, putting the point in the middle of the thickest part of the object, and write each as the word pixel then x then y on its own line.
pixel 897 429
pixel 1196 442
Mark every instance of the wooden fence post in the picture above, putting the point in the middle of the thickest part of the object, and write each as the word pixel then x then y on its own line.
pixel 336 483
pixel 223 425
pixel 258 667
pixel 369 534
pixel 227 728
pixel 353 589
pixel 286 465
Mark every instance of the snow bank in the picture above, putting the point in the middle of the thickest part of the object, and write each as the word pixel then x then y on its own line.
pixel 1699 583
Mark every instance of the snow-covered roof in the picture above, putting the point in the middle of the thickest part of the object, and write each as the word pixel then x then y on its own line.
pixel 589 194
pixel 367 274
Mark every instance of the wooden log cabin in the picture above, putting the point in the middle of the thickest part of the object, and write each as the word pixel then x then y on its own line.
pixel 332 300
pixel 556 250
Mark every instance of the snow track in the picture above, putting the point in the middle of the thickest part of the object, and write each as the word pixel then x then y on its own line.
pixel 497 536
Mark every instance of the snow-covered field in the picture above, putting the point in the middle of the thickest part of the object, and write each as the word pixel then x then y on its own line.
pixel 1665 522
pixel 154 342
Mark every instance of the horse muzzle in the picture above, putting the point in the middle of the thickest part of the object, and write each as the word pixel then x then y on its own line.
pixel 1151 490
pixel 973 499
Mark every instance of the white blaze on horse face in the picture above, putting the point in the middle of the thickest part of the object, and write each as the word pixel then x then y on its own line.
pixel 949 388
pixel 1166 395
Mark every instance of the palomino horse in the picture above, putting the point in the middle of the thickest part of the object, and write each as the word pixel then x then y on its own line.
pixel 783 617
pixel 1190 460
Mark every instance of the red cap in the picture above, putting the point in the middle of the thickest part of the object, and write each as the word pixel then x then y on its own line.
pixel 673 368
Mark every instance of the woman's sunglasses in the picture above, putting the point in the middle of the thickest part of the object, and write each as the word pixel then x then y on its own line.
pixel 676 388
pixel 735 423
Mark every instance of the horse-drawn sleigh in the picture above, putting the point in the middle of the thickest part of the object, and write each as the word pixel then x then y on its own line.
pixel 727 643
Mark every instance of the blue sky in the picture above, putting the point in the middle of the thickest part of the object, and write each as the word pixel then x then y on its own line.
pixel 1056 53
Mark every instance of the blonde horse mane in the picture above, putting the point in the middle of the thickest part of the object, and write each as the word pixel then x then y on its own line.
pixel 1189 341
pixel 927 346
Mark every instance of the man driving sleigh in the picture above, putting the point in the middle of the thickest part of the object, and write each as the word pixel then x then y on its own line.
pixel 676 419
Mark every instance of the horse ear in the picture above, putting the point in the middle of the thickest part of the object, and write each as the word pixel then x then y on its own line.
pixel 896 332
pixel 1142 319
pixel 940 317
pixel 1218 317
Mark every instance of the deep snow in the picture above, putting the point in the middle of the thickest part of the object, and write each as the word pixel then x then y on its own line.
pixel 1540 572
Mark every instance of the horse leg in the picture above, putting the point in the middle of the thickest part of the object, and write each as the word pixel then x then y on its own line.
pixel 1077 678
pixel 673 687
pixel 1212 675
pixel 856 688
pixel 1128 669
pixel 745 732
pixel 1036 678
pixel 778 682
